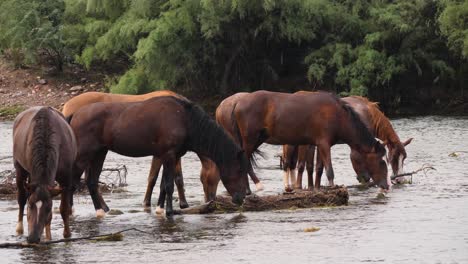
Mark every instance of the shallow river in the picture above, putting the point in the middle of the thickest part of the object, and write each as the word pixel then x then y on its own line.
pixel 422 222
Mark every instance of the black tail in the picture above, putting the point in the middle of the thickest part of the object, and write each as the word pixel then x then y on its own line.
pixel 44 153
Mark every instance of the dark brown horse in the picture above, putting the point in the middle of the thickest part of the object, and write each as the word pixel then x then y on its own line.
pixel 320 119
pixel 75 103
pixel 209 174
pixel 164 127
pixel 377 124
pixel 44 149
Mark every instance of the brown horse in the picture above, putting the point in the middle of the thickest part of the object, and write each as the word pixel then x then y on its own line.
pixel 44 149
pixel 209 174
pixel 317 118
pixel 377 124
pixel 83 99
pixel 164 127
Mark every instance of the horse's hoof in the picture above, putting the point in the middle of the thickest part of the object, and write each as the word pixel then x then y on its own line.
pixel 183 205
pixel 19 228
pixel 159 210
pixel 288 189
pixel 100 213
pixel 259 186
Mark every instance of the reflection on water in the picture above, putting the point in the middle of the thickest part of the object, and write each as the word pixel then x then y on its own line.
pixel 424 222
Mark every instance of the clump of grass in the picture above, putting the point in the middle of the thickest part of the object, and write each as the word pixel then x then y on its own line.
pixel 11 111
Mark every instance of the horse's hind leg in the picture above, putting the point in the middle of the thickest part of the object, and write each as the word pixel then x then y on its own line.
pixel 310 166
pixel 162 197
pixel 92 181
pixel 179 181
pixel 21 176
pixel 326 159
pixel 152 178
pixel 318 170
pixel 209 176
pixel 168 176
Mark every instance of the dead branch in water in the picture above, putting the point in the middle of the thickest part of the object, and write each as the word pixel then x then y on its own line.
pixel 112 179
pixel 333 196
pixel 6 157
pixel 117 236
pixel 425 168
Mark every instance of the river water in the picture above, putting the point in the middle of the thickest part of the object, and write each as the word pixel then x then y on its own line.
pixel 422 222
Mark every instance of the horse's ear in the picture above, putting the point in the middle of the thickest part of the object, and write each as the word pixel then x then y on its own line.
pixel 54 191
pixel 407 141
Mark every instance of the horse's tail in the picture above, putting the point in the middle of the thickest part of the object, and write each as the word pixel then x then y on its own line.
pixel 238 138
pixel 44 154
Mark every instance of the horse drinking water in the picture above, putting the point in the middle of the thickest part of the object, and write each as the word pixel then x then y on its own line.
pixel 319 119
pixel 163 127
pixel 44 149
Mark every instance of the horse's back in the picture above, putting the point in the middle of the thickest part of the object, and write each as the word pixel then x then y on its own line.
pixel 83 99
pixel 62 139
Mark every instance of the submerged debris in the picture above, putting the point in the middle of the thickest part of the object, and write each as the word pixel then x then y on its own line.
pixel 112 180
pixel 328 196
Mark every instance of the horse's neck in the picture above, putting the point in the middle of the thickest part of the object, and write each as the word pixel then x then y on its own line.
pixel 383 129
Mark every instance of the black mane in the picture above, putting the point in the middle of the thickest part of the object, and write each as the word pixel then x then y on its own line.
pixel 44 153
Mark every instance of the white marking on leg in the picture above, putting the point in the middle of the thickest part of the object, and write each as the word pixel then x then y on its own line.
pixel 286 179
pixel 38 207
pixel 292 177
pixel 159 210
pixel 19 228
pixel 259 186
pixel 100 213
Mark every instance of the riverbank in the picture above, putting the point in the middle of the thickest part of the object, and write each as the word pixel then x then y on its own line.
pixel 33 86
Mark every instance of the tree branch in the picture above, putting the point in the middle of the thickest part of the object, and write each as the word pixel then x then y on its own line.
pixel 117 236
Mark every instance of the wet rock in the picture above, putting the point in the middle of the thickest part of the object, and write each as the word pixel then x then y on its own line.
pixel 83 80
pixel 76 88
pixel 2 91
pixel 115 212
pixel 42 81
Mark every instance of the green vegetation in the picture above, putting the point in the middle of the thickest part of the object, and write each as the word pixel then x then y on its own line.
pixel 392 51
pixel 10 111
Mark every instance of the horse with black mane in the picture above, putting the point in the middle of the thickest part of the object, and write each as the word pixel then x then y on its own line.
pixel 75 103
pixel 163 127
pixel 44 149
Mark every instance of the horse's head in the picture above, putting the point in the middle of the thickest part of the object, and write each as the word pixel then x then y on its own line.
pixel 397 155
pixel 39 210
pixel 372 162
pixel 234 177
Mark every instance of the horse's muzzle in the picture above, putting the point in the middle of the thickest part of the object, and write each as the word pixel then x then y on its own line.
pixel 34 239
pixel 238 198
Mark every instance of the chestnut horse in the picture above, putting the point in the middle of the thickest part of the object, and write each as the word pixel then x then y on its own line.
pixel 319 118
pixel 44 149
pixel 72 105
pixel 163 127
pixel 377 124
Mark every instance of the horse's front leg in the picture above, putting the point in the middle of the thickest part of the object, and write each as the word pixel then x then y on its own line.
pixel 168 176
pixel 21 176
pixel 326 159
pixel 152 178
pixel 179 181
pixel 65 210
pixel 92 181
